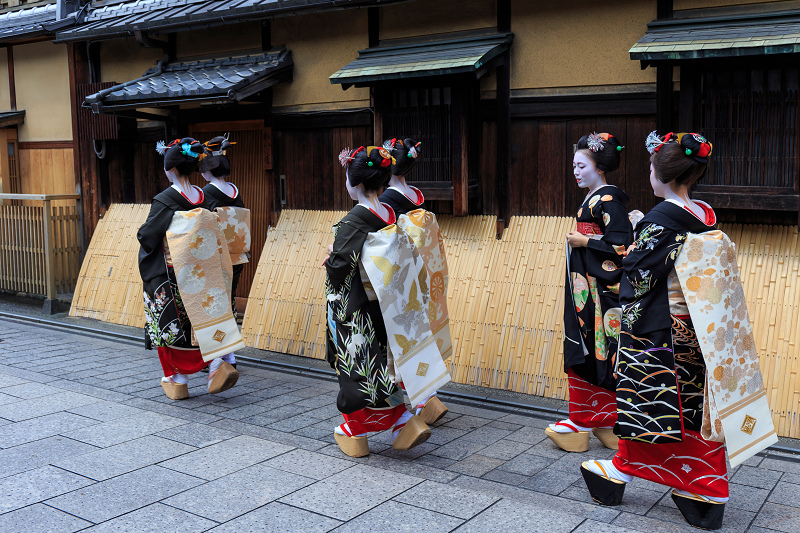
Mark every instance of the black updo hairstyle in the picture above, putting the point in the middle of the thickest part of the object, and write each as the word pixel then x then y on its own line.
pixel 216 159
pixel 405 153
pixel 368 166
pixel 681 157
pixel 603 148
pixel 181 154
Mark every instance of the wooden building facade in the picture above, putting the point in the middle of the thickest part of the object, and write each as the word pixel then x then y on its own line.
pixel 498 91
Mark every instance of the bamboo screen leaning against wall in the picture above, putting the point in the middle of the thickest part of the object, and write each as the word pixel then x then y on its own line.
pixel 109 286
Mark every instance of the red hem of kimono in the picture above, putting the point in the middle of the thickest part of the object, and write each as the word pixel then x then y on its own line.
pixel 694 465
pixel 590 406
pixel 175 361
pixel 369 420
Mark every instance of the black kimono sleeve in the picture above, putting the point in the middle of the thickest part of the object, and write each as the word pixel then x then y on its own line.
pixel 653 257
pixel 618 231
pixel 347 242
pixel 151 240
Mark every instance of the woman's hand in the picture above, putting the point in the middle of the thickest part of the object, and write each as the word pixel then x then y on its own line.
pixel 577 239
pixel 330 249
pixel 629 250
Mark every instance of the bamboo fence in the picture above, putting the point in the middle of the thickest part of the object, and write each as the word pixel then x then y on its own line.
pixel 505 297
pixel 109 286
pixel 40 245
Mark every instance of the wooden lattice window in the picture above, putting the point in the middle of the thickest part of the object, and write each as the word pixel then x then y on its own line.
pixel 750 116
pixel 424 114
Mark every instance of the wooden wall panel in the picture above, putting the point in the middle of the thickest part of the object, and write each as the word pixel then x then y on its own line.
pixel 47 171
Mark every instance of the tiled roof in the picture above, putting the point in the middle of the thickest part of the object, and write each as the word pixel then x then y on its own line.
pixel 11 118
pixel 25 23
pixel 229 79
pixel 124 18
pixel 719 37
pixel 455 56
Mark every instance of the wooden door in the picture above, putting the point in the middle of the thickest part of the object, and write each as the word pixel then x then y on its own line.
pixel 251 171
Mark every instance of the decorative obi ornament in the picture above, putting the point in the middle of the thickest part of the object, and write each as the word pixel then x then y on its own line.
pixel 589 228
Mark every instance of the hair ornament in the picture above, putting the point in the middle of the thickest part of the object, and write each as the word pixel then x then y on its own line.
pixel 597 141
pixel 186 149
pixel 389 145
pixel 619 148
pixel 653 142
pixel 695 145
pixel 345 156
pixel 161 146
pixel 414 152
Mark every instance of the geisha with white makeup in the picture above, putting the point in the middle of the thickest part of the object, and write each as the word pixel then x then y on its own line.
pixel 591 304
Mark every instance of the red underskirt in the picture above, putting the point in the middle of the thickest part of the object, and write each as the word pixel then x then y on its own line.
pixel 590 406
pixel 694 465
pixel 174 361
pixel 369 420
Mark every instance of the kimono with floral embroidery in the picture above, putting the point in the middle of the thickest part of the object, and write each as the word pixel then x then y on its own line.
pixel 356 335
pixel 166 322
pixel 660 371
pixel 591 309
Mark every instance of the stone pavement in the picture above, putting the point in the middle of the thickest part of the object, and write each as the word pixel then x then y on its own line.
pixel 88 442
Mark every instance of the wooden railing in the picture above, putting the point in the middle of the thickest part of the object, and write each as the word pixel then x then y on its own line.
pixel 40 245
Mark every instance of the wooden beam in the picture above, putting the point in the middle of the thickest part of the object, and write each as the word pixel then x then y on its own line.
pixel 12 87
pixel 688 110
pixel 503 156
pixel 664 9
pixel 761 202
pixel 664 98
pixel 374 26
pixel 45 145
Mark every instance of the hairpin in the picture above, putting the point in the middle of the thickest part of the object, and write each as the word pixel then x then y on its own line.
pixel 161 146
pixel 414 152
pixel 653 143
pixel 596 141
pixel 347 155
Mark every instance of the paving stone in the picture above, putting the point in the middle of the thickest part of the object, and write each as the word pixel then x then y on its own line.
pixel 198 435
pixel 756 477
pixel 543 501
pixel 785 493
pixel 278 518
pixel 395 516
pixel 45 405
pixel 374 487
pixel 593 526
pixel 245 411
pixel 40 518
pixel 411 468
pixel 221 459
pixel 155 518
pixel 527 435
pixel 308 464
pixel 552 480
pixel 476 465
pixel 238 493
pixel 123 429
pixel 7 398
pixel 27 374
pixel 28 391
pixel 172 409
pixel 123 494
pixel 467 423
pixel 105 463
pixel 410 455
pixel 531 420
pixel 509 478
pixel 434 461
pixel 10 381
pixel 41 452
pixel 105 411
pixel 750 498
pixel 772 463
pixel 26 488
pixel 458 449
pixel 273 435
pixel 90 390
pixel 42 427
pixel 505 449
pixel 525 464
pixel 446 499
pixel 510 516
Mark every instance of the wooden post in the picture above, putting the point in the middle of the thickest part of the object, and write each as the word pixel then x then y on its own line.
pixel 50 304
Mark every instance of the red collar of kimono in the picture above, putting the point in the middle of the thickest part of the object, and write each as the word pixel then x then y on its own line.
pixel 711 217
pixel 200 201
pixel 392 217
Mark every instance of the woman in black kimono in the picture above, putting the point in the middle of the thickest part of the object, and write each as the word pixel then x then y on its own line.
pixel 399 195
pixel 591 301
pixel 356 336
pixel 661 371
pixel 218 192
pixel 167 325
pixel 403 199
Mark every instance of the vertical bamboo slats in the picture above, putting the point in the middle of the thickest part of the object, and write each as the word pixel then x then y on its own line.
pixel 109 286
pixel 23 251
pixel 506 297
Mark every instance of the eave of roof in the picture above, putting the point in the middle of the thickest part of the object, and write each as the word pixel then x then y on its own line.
pixel 11 118
pixel 715 37
pixel 229 79
pixel 468 55
pixel 24 24
pixel 124 19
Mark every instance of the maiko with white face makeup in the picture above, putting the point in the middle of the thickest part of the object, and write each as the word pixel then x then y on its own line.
pixel 591 311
